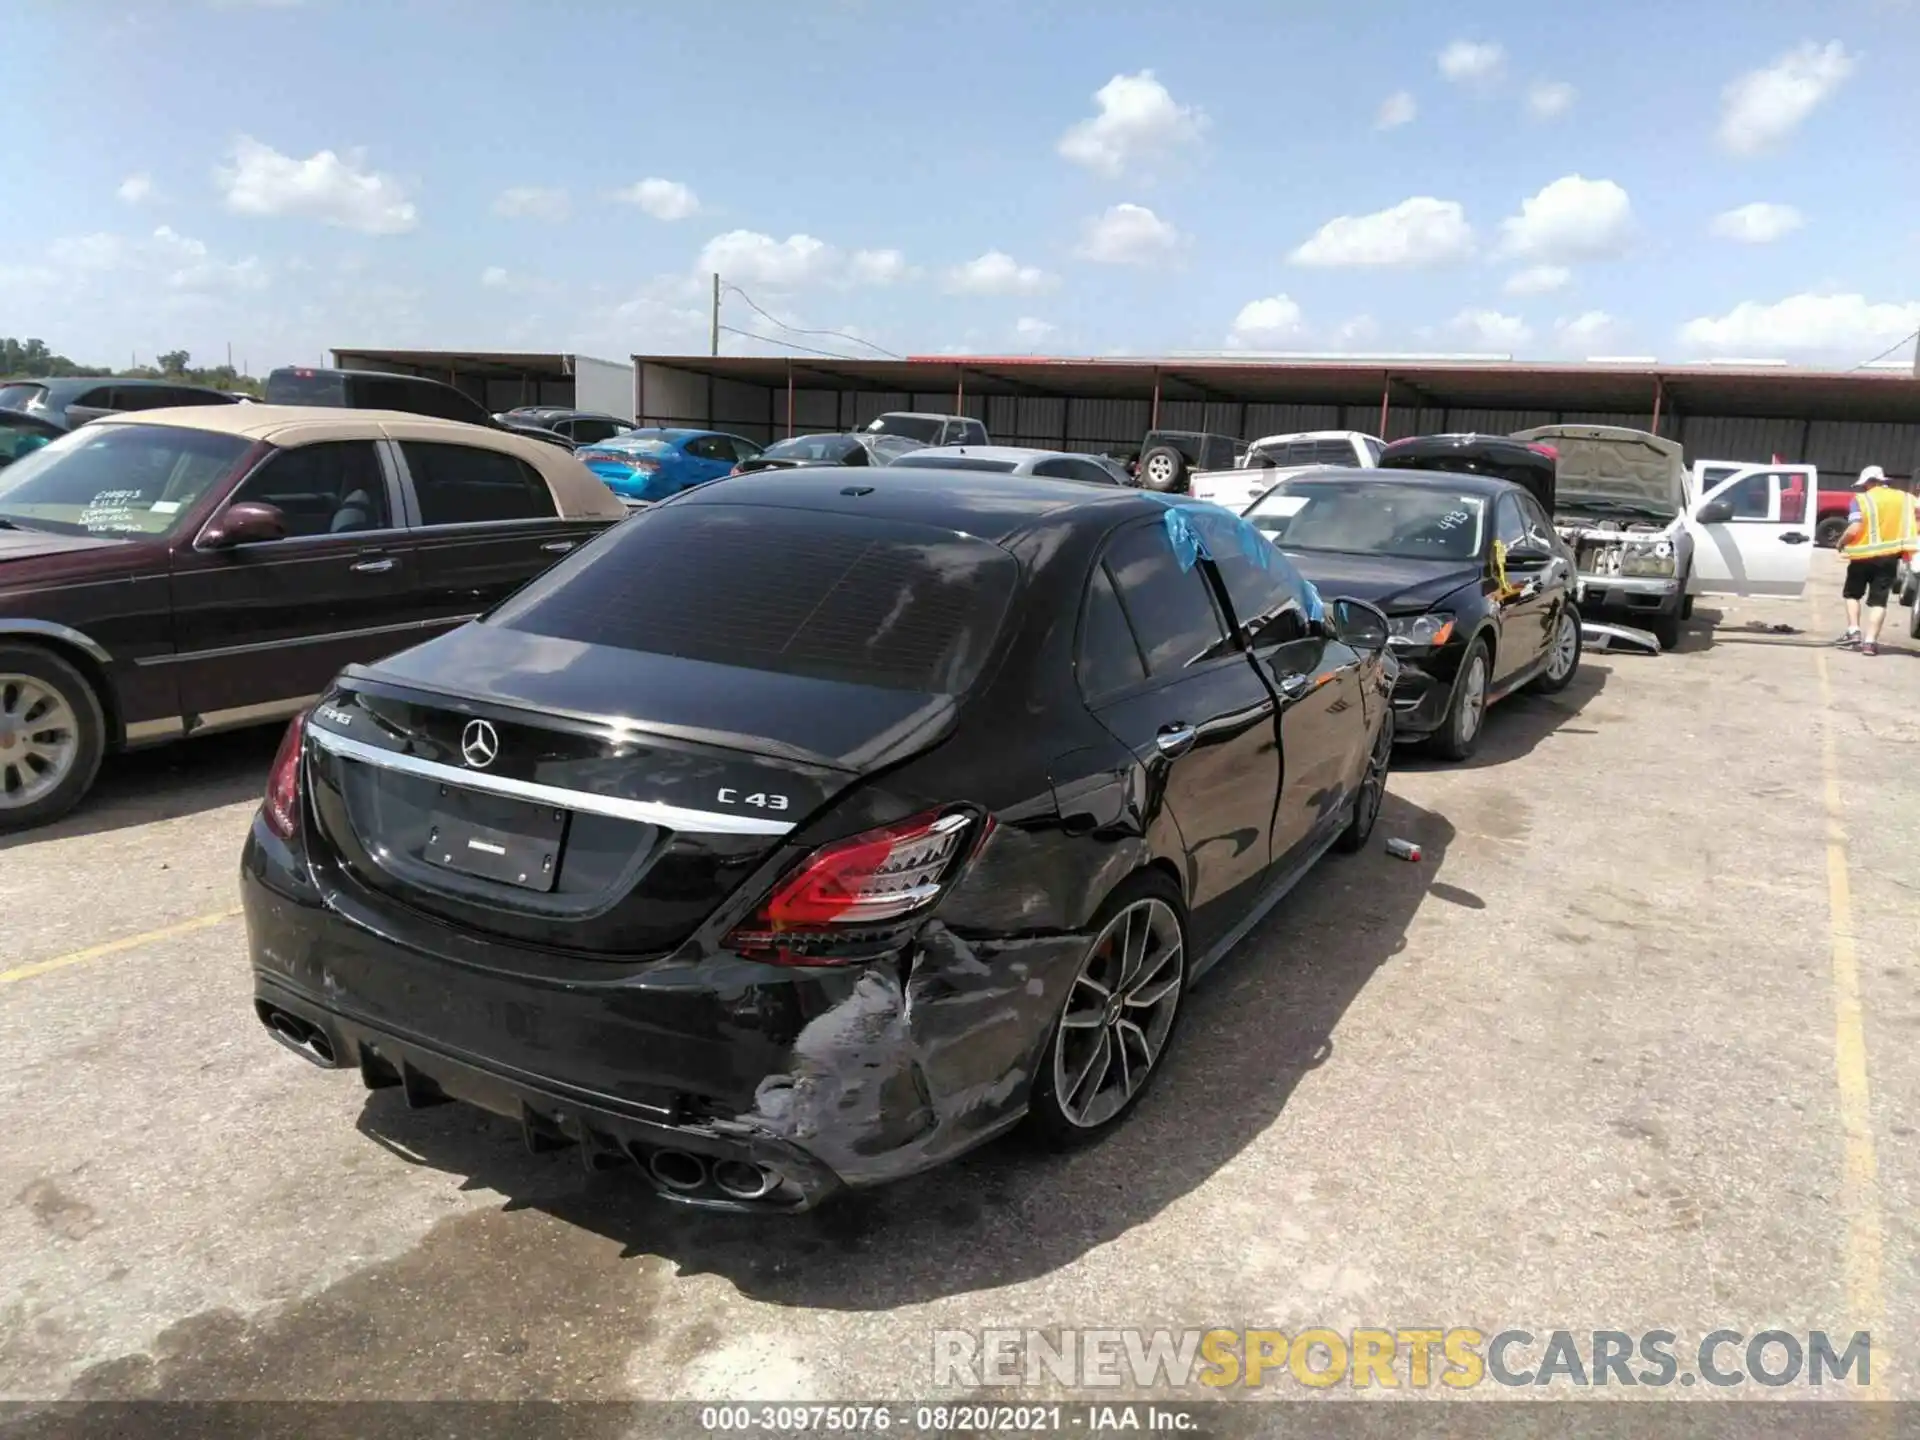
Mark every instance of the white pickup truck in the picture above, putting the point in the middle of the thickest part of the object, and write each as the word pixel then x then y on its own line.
pixel 1270 460
pixel 1649 534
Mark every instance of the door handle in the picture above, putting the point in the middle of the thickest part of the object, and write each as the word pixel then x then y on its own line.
pixel 372 567
pixel 1294 686
pixel 559 547
pixel 1793 537
pixel 1175 739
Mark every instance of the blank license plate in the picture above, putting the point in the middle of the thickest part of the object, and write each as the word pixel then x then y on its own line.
pixel 496 839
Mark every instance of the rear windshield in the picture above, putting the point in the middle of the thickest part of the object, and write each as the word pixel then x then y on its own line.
pixel 117 479
pixel 834 597
pixel 812 447
pixel 306 387
pixel 19 397
pixel 914 427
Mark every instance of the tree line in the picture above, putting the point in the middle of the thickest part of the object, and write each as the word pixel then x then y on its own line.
pixel 32 360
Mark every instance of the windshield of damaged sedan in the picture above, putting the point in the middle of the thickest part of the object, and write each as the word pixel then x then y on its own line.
pixel 827 448
pixel 117 480
pixel 1373 517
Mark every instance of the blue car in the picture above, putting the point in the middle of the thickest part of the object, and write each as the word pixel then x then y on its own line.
pixel 654 464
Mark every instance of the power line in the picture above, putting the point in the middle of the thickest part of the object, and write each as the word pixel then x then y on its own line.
pixel 775 340
pixel 802 330
pixel 1897 345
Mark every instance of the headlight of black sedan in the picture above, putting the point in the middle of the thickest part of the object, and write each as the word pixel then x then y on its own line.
pixel 1420 632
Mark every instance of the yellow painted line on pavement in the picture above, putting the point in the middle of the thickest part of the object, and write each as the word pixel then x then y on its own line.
pixel 115 947
pixel 1860 1168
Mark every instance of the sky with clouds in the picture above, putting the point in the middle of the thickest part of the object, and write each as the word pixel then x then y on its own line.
pixel 1732 178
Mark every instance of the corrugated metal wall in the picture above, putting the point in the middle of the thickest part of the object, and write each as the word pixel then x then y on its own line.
pixel 677 397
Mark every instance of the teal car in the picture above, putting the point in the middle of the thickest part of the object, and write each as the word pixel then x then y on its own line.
pixel 653 464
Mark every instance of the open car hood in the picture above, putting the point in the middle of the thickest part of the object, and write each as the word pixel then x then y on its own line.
pixel 1613 462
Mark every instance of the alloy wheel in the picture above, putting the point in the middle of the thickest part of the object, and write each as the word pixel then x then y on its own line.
pixel 1119 1013
pixel 39 740
pixel 1566 648
pixel 1473 700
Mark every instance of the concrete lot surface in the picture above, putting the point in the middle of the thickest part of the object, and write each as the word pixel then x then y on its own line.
pixel 1632 1048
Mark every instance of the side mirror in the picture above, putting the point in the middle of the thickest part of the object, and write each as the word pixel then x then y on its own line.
pixel 1528 557
pixel 244 524
pixel 1358 624
pixel 1714 512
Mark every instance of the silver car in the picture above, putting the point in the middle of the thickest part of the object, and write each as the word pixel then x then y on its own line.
pixel 1014 460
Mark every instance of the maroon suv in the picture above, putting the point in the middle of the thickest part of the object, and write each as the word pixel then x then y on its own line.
pixel 172 572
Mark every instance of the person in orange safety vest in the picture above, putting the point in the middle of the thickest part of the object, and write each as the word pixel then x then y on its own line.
pixel 1880 529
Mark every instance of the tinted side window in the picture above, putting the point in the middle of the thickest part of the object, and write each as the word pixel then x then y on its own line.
pixel 1270 599
pixel 1509 528
pixel 742 449
pixel 1751 497
pixel 1539 529
pixel 709 447
pixel 1171 610
pixel 589 432
pixel 462 485
pixel 1107 659
pixel 98 399
pixel 329 489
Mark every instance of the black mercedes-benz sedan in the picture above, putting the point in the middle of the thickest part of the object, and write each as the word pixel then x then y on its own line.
pixel 807 830
pixel 1478 589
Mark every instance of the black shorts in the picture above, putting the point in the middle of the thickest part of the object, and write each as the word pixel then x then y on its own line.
pixel 1871 579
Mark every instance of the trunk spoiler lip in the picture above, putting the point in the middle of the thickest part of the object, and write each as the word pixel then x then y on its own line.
pixel 361 677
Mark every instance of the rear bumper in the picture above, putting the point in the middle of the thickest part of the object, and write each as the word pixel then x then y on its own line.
pixel 825 1077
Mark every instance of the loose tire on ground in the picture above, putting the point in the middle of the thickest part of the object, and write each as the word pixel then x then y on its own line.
pixel 53 734
pixel 1075 1120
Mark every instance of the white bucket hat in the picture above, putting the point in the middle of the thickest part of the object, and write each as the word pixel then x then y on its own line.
pixel 1872 475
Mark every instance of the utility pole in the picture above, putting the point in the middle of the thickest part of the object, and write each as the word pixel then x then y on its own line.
pixel 716 312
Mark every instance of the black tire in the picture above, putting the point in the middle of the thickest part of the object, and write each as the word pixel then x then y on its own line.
pixel 1666 629
pixel 1373 790
pixel 1455 740
pixel 1913 622
pixel 1686 607
pixel 21 666
pixel 1172 465
pixel 1910 588
pixel 1552 681
pixel 1827 532
pixel 1046 1115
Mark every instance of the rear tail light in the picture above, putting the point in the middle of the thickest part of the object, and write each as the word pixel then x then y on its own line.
pixel 282 807
pixel 861 887
pixel 734 471
pixel 1547 450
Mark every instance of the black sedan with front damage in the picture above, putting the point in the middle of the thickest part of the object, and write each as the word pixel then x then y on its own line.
pixel 807 830
pixel 1477 587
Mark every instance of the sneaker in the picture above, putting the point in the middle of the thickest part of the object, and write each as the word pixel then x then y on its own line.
pixel 1869 648
pixel 1849 641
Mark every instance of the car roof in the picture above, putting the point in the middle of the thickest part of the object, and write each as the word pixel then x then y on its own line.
pixel 1315 435
pixel 987 504
pixel 1461 480
pixel 1012 453
pixel 58 385
pixel 577 491
pixel 921 415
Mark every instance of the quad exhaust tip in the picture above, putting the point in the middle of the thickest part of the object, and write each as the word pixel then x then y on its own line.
pixel 677 1169
pixel 744 1180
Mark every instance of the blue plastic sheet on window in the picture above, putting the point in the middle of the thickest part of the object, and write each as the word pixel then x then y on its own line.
pixel 1198 531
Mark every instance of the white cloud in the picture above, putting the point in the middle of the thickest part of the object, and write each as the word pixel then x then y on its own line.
pixel 1137 122
pixel 1471 62
pixel 1572 219
pixel 1490 327
pixel 1763 107
pixel 1539 280
pixel 662 199
pixel 1128 235
pixel 877 267
pixel 997 273
pixel 1806 324
pixel 1360 330
pixel 1419 231
pixel 494 277
pixel 325 186
pixel 1396 110
pixel 135 189
pixel 748 257
pixel 1550 99
pixel 531 202
pixel 1030 329
pixel 1760 223
pixel 1266 323
pixel 1586 329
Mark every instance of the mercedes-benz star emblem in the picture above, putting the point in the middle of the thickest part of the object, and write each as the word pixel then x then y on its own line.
pixel 479 744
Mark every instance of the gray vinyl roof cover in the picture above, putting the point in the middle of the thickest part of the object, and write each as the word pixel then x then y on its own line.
pixel 1615 462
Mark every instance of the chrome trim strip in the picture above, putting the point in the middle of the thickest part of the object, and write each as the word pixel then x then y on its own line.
pixel 250 714
pixel 261 646
pixel 49 630
pixel 145 732
pixel 647 812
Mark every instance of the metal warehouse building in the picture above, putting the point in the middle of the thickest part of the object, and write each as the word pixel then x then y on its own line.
pixel 1839 421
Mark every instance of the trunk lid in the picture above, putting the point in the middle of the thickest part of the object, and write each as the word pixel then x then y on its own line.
pixel 480 779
